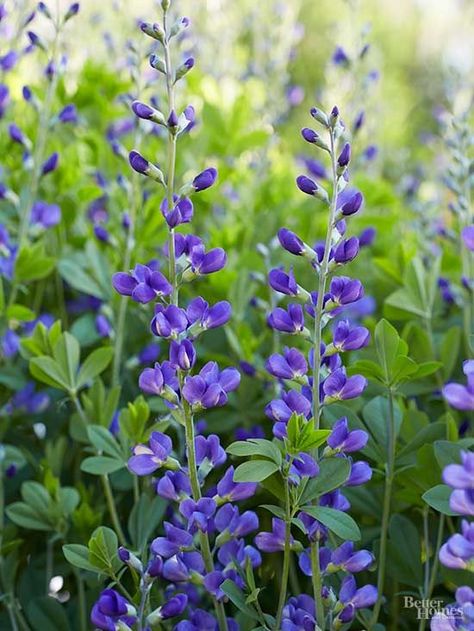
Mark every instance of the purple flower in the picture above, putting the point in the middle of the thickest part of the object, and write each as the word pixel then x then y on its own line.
pixel 68 114
pixel 147 459
pixel 50 164
pixel 306 185
pixel 361 472
pixel 229 520
pixel 111 609
pixel 290 320
pixel 351 206
pixel 209 449
pixel 303 466
pixel 346 338
pixel 291 365
pixel 142 110
pixel 273 541
pixel 345 558
pixel 143 284
pixel 339 387
pixel 352 598
pixel 28 400
pixel 366 237
pixel 46 215
pixel 458 551
pixel 299 614
pixel 172 608
pixel 17 135
pixel 345 156
pixel 344 290
pixel 176 540
pixel 230 491
pixel 459 396
pixel 10 343
pixel 182 211
pixel 160 381
pixel 310 136
pixel 210 388
pixel 291 242
pixel 340 57
pixel 284 283
pixel 201 315
pixel 103 326
pixel 198 513
pixel 468 237
pixel 347 250
pixel 138 162
pixel 205 179
pixel 345 441
pixel 182 354
pixel 461 476
pixel 8 61
pixel 174 486
pixel 101 233
pixel 203 262
pixel 168 321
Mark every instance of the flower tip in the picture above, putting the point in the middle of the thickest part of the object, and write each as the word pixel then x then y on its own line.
pixel 138 162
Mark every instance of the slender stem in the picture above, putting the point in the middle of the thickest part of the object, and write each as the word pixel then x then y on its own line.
pixel 434 569
pixel 49 563
pixel 316 582
pixel 105 483
pixel 145 590
pixel 426 537
pixel 81 595
pixel 286 557
pixel 390 471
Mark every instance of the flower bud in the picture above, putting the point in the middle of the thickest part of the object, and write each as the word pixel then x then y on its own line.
pixel 50 164
pixel 179 26
pixel 306 185
pixel 320 116
pixel 353 205
pixel 36 40
pixel 43 9
pixel 312 137
pixel 146 112
pixel 205 179
pixel 153 30
pixel 334 116
pixel 72 11
pixel 143 166
pixel 172 121
pixel 184 68
pixel 157 64
pixel 165 4
pixel 345 156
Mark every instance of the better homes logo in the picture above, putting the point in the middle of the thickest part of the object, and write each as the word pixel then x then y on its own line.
pixel 426 608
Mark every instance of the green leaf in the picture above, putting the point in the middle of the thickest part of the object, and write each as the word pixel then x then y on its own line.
pixel 101 465
pixel 33 264
pixel 103 546
pixel 144 518
pixel 20 312
pixel 255 471
pixel 447 452
pixel 338 522
pixel 333 472
pixel 46 370
pixel 66 352
pixel 449 350
pixel 438 498
pixel 95 363
pixel 256 447
pixel 237 596
pixel 103 441
pixel 428 434
pixel 47 614
pixel 404 558
pixel 78 556
pixel 387 343
pixel 274 510
pixel 25 516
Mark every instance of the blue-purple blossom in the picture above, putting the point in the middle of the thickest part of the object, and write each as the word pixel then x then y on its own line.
pixel 290 320
pixel 198 513
pixel 168 322
pixel 209 449
pixel 201 315
pixel 161 380
pixel 182 211
pixel 211 386
pixel 351 599
pixel 467 234
pixel 230 491
pixel 147 459
pixel 142 284
pixel 291 365
pixel 50 164
pixel 347 338
pixel 299 614
pixel 459 396
pixel 338 387
pixel 273 541
pixel 45 215
pixel 342 440
pixel 458 551
pixel 112 609
pixel 205 179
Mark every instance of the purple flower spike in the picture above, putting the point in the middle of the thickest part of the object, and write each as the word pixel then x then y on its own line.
pixel 346 338
pixel 468 237
pixel 459 396
pixel 50 164
pixel 289 321
pixel 205 179
pixel 344 441
pixel 353 205
pixel 143 284
pixel 291 242
pixel 112 609
pixel 292 365
pixel 147 459
pixel 339 387
pixel 306 185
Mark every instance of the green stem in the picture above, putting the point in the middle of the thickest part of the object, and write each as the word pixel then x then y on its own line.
pixel 390 471
pixel 286 557
pixel 81 596
pixel 105 484
pixel 317 583
pixel 434 569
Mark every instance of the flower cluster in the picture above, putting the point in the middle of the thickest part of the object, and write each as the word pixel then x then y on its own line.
pixel 458 551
